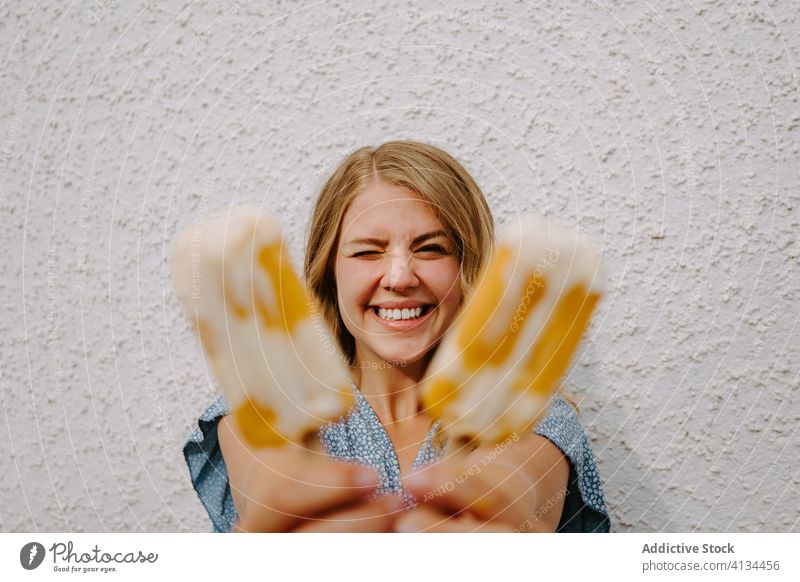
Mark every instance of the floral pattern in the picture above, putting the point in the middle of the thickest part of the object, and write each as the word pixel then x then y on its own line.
pixel 359 437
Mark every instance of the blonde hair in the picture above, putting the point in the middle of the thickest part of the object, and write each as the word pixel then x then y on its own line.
pixel 424 169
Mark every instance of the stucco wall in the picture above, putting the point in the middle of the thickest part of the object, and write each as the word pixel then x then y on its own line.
pixel 667 131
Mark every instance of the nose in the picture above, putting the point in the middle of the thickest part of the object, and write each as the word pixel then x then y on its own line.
pixel 399 274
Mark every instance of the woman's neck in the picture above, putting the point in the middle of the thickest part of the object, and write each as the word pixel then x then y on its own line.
pixel 391 390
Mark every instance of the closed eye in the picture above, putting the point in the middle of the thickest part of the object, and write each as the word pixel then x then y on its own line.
pixel 431 249
pixel 363 253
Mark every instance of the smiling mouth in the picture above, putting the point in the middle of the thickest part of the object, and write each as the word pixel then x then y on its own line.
pixel 404 314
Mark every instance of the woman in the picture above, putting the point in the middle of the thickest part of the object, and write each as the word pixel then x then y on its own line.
pixel 397 238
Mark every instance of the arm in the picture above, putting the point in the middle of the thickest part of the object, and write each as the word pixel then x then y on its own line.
pixel 544 465
pixel 285 488
pixel 519 487
pixel 237 458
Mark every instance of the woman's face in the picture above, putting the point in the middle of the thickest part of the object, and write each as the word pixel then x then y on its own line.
pixel 397 274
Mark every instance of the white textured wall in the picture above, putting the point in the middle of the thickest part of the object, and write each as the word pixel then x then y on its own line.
pixel 667 130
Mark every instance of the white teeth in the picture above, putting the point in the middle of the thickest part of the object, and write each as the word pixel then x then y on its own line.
pixel 399 314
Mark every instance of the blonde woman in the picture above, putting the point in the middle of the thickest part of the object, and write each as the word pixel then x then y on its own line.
pixel 401 226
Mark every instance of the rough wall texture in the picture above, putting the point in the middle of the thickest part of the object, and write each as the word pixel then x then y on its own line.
pixel 667 131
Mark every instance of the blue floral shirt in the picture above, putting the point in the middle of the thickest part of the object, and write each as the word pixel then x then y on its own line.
pixel 359 437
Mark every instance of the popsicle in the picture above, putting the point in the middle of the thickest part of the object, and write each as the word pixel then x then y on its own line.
pixel 272 354
pixel 499 364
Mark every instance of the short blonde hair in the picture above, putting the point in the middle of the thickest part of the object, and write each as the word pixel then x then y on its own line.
pixel 424 169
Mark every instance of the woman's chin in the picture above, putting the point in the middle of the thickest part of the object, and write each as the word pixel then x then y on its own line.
pixel 400 358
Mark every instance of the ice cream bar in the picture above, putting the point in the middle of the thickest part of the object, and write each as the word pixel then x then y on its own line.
pixel 273 356
pixel 498 365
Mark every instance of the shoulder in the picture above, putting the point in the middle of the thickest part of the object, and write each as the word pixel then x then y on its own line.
pixel 585 507
pixel 207 469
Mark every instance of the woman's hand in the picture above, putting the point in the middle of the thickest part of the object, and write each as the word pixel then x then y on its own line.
pixel 513 487
pixel 290 489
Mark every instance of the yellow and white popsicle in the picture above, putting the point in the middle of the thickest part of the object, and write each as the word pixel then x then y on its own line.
pixel 499 364
pixel 275 361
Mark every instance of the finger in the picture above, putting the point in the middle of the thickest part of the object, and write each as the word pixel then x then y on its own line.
pixel 490 492
pixel 301 491
pixel 426 519
pixel 374 516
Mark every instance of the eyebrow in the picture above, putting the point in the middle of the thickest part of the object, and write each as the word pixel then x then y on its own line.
pixel 382 243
